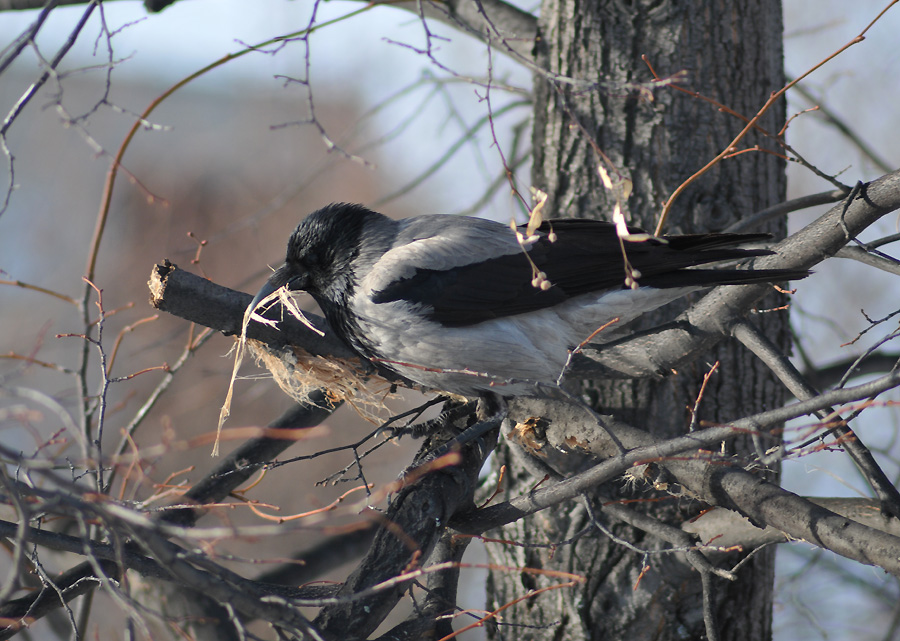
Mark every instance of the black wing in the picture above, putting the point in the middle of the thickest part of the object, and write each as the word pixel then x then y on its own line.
pixel 585 258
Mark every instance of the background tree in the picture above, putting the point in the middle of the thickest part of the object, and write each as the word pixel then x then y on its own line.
pixel 589 557
pixel 650 139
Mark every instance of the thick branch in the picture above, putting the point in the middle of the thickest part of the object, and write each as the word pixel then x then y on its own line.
pixel 510 29
pixel 724 528
pixel 411 528
pixel 708 476
pixel 201 301
pixel 429 620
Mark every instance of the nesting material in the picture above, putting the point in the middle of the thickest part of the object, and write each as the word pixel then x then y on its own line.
pixel 297 372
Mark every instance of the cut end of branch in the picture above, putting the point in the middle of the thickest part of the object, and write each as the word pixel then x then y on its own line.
pixel 157 283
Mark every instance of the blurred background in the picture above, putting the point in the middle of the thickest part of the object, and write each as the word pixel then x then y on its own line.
pixel 232 161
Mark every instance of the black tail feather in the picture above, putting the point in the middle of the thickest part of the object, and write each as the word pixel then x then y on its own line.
pixel 712 277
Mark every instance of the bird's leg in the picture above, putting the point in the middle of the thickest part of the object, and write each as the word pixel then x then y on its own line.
pixel 453 412
pixel 490 410
pixel 490 405
pixel 415 413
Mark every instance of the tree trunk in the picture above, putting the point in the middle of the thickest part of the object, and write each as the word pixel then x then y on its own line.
pixel 730 52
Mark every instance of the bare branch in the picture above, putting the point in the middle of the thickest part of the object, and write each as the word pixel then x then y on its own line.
pixel 31 92
pixel 829 375
pixel 785 208
pixel 860 254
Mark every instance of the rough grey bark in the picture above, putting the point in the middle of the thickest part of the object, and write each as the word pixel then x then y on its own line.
pixel 730 52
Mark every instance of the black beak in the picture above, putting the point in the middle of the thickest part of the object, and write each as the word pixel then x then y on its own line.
pixel 276 281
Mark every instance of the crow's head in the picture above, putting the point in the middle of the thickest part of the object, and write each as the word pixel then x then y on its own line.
pixel 320 253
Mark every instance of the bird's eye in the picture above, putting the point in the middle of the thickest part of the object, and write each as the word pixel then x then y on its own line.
pixel 300 282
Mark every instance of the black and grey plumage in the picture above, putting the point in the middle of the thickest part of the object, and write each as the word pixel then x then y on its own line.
pixel 448 301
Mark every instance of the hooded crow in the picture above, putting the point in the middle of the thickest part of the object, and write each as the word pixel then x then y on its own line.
pixel 462 305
